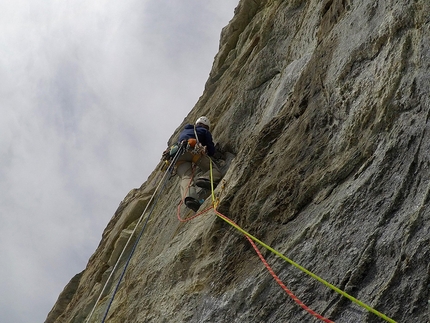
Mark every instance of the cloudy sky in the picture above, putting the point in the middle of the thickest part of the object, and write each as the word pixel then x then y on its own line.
pixel 90 92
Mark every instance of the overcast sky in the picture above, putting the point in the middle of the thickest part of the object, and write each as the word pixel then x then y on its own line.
pixel 90 92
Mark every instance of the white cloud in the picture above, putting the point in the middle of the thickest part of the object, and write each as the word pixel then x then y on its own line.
pixel 90 92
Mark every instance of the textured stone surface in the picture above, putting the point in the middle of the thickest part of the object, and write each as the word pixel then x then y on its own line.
pixel 325 106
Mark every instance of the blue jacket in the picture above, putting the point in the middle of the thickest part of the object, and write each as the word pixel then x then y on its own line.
pixel 205 137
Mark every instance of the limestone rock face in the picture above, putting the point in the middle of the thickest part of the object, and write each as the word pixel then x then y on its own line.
pixel 325 107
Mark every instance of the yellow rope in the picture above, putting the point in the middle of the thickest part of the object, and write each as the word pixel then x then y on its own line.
pixel 339 291
pixel 214 201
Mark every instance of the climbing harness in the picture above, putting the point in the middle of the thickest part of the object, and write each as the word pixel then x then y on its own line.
pixel 155 196
pixel 192 145
pixel 253 239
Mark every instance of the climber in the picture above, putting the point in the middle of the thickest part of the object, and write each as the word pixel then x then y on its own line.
pixel 197 153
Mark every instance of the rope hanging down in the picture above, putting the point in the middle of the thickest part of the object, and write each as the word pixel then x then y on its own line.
pixel 161 184
pixel 321 280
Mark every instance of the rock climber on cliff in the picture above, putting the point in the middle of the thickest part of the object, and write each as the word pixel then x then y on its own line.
pixel 200 147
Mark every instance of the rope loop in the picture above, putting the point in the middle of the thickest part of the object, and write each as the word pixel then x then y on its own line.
pixel 253 239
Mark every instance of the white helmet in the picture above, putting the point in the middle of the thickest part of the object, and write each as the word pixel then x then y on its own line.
pixel 204 120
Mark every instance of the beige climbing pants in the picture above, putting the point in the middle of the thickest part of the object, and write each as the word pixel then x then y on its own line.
pixel 185 172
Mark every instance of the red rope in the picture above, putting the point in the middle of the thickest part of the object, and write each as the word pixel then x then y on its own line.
pixel 278 280
pixel 192 217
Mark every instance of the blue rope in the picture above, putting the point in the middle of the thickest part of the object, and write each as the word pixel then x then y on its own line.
pixel 169 170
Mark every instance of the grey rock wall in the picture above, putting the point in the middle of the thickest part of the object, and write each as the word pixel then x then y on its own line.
pixel 324 106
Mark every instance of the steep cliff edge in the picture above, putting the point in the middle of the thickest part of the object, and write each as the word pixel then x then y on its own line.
pixel 325 106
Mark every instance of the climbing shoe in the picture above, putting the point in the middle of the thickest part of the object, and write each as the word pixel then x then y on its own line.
pixel 192 203
pixel 204 183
